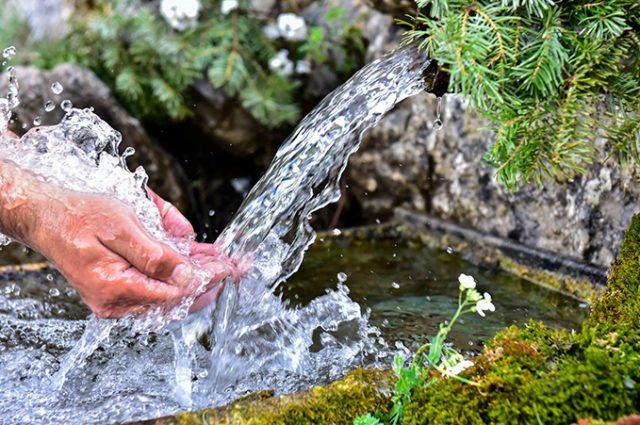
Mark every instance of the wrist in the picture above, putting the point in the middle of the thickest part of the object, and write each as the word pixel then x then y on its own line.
pixel 21 196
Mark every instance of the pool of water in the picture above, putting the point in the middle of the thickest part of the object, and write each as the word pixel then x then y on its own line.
pixel 410 289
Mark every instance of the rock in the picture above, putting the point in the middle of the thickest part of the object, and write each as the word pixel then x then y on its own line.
pixel 398 8
pixel 262 7
pixel 223 121
pixel 84 89
pixel 392 167
pixel 360 392
pixel 443 174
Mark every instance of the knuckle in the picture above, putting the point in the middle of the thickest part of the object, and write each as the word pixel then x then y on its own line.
pixel 155 260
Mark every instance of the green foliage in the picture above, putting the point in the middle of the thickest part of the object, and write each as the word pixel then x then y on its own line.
pixel 339 46
pixel 433 359
pixel 550 76
pixel 152 66
pixel 367 419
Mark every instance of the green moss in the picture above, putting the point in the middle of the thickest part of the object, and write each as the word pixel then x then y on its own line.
pixel 359 392
pixel 620 302
pixel 578 288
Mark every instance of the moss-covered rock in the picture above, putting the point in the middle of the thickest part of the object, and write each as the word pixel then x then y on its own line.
pixel 359 392
pixel 539 375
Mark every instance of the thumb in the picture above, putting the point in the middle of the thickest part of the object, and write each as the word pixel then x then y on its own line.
pixel 150 256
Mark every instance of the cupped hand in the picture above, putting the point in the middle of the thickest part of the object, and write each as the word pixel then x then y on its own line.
pixel 101 248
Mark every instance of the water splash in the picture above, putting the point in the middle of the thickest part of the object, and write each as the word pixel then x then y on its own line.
pixel 250 339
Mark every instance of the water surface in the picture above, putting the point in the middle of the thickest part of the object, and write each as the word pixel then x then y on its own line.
pixel 411 288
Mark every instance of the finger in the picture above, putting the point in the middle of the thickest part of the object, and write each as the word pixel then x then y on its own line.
pixel 172 219
pixel 207 298
pixel 121 290
pixel 218 271
pixel 209 249
pixel 10 134
pixel 149 291
pixel 149 256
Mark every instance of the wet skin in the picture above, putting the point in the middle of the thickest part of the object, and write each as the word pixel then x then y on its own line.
pixel 101 248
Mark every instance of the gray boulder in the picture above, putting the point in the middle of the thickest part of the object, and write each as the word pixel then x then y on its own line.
pixel 404 162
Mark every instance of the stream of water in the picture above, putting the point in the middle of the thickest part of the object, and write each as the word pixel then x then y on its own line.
pixel 251 338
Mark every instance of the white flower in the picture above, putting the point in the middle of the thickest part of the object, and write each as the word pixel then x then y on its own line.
pixel 228 6
pixel 180 14
pixel 271 32
pixel 466 281
pixel 303 67
pixel 459 367
pixel 485 304
pixel 281 63
pixel 292 27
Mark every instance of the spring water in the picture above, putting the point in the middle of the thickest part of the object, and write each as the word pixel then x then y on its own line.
pixel 250 338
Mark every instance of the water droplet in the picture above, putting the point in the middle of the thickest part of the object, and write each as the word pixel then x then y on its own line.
pixel 49 106
pixel 57 88
pixel 9 52
pixel 66 105
pixel 437 124
pixel 378 221
pixel 37 121
pixel 128 152
pixel 395 285
pixel 336 232
pixel 400 346
pixel 450 250
pixel 54 292
pixel 212 213
pixel 50 277
pixel 342 277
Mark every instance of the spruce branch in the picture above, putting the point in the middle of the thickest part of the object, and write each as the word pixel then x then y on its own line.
pixel 550 76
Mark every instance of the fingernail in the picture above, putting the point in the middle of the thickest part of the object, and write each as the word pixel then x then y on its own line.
pixel 181 275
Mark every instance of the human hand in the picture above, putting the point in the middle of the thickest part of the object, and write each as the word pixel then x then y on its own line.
pixel 99 245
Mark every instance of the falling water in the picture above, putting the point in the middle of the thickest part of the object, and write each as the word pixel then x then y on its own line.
pixel 250 338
